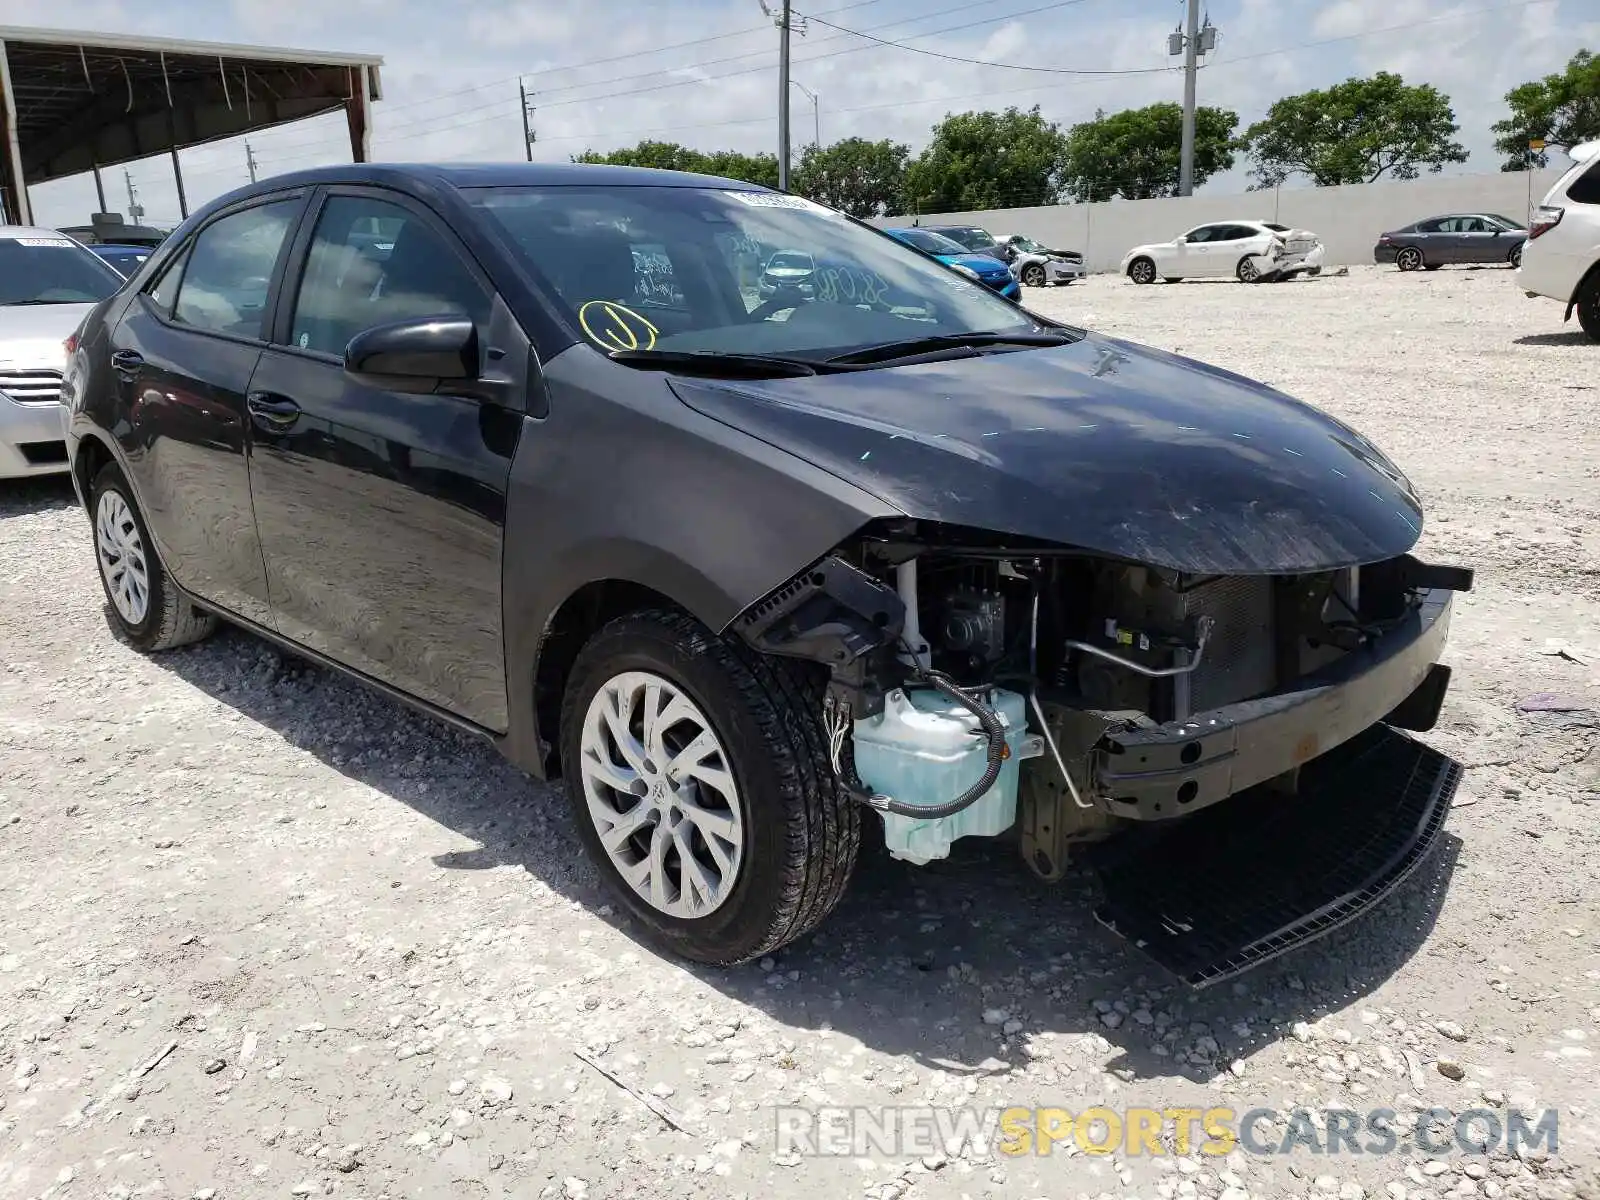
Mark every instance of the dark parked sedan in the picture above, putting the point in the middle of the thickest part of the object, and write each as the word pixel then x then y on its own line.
pixel 746 572
pixel 1457 238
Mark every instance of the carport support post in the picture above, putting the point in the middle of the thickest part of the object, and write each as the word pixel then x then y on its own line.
pixel 99 188
pixel 177 169
pixel 358 114
pixel 20 210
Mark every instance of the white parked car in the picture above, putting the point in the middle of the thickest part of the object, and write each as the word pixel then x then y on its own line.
pixel 1250 251
pixel 48 284
pixel 1035 265
pixel 1561 258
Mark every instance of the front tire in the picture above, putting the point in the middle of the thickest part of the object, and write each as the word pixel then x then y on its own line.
pixel 701 788
pixel 1033 275
pixel 1515 257
pixel 145 606
pixel 1142 270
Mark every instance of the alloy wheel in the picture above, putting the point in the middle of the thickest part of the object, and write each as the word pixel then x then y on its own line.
pixel 120 550
pixel 1143 271
pixel 1247 271
pixel 660 790
pixel 1033 275
pixel 1409 259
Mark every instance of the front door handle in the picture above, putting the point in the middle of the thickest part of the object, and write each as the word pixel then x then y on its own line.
pixel 272 411
pixel 127 363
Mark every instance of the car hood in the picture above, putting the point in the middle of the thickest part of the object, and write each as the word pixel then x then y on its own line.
pixel 1101 444
pixel 31 335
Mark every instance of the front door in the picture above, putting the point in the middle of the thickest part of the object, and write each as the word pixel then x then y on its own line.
pixel 1196 255
pixel 381 513
pixel 184 352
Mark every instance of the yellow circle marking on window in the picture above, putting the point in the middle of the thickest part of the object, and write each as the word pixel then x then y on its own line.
pixel 616 327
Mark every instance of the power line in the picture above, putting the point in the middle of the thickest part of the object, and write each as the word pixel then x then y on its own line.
pixel 978 62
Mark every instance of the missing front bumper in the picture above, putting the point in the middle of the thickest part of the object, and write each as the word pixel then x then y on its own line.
pixel 1176 769
pixel 1218 894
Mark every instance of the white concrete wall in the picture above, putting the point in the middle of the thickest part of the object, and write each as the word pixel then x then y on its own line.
pixel 1348 219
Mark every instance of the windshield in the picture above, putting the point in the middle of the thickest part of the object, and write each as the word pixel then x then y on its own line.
pixel 931 243
pixel 708 290
pixel 52 270
pixel 1028 244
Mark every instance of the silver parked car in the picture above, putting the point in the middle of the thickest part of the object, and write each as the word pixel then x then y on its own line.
pixel 48 284
pixel 1456 238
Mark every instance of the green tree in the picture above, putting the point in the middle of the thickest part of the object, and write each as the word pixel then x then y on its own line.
pixel 987 160
pixel 1136 153
pixel 1562 109
pixel 670 156
pixel 862 178
pixel 1357 131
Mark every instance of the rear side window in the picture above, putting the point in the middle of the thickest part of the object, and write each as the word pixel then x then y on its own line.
pixel 224 284
pixel 1585 188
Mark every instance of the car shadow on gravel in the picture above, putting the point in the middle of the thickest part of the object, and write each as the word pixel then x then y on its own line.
pixel 42 494
pixel 959 965
pixel 1568 337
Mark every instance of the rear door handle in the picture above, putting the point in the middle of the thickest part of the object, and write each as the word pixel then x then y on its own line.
pixel 127 362
pixel 272 411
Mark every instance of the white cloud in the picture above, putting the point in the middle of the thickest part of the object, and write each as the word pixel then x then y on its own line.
pixel 450 76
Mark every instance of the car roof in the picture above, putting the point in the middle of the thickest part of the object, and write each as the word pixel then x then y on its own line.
pixel 463 175
pixel 13 232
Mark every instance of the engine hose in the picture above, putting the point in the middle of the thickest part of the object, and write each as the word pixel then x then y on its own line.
pixel 994 734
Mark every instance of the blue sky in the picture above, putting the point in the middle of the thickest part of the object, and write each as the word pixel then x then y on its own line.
pixel 450 78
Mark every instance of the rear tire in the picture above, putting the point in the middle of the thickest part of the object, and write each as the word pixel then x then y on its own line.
pixel 145 607
pixel 1246 270
pixel 786 834
pixel 1588 306
pixel 1409 258
pixel 1142 270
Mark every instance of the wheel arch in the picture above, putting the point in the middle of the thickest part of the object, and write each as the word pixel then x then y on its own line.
pixel 1592 275
pixel 91 457
pixel 580 614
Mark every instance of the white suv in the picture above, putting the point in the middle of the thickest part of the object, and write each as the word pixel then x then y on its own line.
pixel 1561 258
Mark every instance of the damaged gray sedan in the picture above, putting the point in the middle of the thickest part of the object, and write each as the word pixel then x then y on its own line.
pixel 748 570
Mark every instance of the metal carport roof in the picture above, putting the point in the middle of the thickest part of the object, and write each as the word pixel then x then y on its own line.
pixel 72 102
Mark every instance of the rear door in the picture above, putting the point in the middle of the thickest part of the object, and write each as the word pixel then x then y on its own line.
pixel 183 355
pixel 382 513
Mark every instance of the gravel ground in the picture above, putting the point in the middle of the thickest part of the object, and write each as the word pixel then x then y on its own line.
pixel 268 934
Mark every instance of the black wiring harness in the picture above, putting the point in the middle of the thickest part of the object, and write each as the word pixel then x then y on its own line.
pixel 837 719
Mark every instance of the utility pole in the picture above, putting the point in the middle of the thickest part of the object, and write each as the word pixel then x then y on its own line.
pixel 528 135
pixel 250 161
pixel 1191 43
pixel 816 111
pixel 135 209
pixel 783 98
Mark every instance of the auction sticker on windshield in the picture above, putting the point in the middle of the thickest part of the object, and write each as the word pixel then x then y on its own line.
pixel 45 241
pixel 779 200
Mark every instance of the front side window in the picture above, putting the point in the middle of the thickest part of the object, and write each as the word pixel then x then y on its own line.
pixel 729 252
pixel 1201 233
pixel 224 283
pixel 46 269
pixel 372 263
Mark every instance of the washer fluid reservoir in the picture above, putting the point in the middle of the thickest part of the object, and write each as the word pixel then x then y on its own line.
pixel 926 749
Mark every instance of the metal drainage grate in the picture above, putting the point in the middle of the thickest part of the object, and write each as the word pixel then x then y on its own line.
pixel 1216 894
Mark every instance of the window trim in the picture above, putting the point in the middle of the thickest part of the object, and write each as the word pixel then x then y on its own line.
pixel 180 257
pixel 278 333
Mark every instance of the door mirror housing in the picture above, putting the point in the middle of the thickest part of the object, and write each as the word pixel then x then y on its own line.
pixel 424 354
pixel 1181 240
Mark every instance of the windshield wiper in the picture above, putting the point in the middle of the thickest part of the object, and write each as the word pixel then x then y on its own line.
pixel 910 347
pixel 20 303
pixel 709 362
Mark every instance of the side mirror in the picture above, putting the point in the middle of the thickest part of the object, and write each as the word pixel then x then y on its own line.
pixel 1181 240
pixel 418 355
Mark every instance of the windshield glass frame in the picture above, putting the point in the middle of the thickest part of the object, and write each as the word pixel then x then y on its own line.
pixel 911 235
pixel 708 290
pixel 31 250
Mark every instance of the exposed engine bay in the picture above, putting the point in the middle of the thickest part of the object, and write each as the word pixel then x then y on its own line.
pixel 982 685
